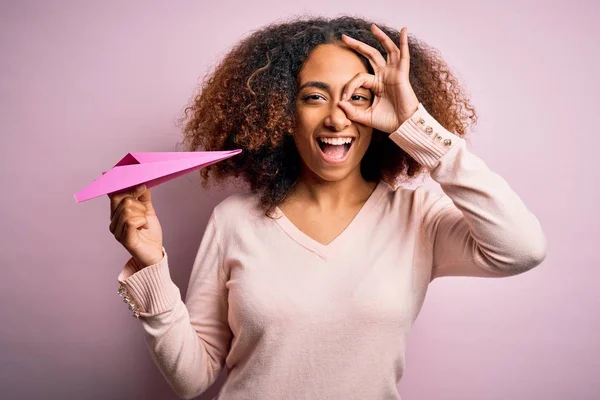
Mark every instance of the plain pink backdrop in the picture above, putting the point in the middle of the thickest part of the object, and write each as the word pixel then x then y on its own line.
pixel 83 83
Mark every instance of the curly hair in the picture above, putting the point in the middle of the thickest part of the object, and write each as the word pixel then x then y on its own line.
pixel 248 102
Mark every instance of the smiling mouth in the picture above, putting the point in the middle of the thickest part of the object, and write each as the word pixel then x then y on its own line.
pixel 335 150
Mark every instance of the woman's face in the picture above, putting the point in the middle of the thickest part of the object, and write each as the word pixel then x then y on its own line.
pixel 330 145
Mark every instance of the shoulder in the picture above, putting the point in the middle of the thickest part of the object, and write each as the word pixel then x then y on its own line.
pixel 396 194
pixel 415 199
pixel 237 209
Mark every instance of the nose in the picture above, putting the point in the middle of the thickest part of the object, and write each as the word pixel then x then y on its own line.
pixel 337 119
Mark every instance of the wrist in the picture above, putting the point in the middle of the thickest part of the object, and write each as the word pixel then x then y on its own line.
pixel 157 259
pixel 151 260
pixel 408 112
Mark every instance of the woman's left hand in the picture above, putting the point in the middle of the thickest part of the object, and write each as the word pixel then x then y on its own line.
pixel 395 101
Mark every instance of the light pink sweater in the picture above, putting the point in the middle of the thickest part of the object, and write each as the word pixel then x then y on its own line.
pixel 296 319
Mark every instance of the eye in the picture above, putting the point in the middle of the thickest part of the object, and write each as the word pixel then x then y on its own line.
pixel 359 97
pixel 313 97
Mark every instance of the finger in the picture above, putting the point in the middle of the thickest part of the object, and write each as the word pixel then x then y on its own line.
pixel 128 206
pixel 356 114
pixel 131 191
pixel 119 228
pixel 146 199
pixel 116 198
pixel 388 44
pixel 362 79
pixel 130 228
pixel 375 58
pixel 404 52
pixel 126 209
pixel 124 223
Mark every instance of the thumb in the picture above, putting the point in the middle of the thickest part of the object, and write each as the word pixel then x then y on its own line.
pixel 355 114
pixel 145 196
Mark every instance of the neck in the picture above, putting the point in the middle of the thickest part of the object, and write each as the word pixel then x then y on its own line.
pixel 349 191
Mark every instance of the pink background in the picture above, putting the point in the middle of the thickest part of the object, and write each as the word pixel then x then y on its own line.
pixel 83 84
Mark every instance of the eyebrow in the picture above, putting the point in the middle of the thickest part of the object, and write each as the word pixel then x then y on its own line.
pixel 317 84
pixel 320 85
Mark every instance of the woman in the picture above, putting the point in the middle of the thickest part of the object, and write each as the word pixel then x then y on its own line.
pixel 307 285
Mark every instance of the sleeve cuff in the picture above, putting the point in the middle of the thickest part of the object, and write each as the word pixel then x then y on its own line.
pixel 148 291
pixel 424 139
pixel 132 266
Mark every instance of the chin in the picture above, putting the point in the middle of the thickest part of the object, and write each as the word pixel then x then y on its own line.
pixel 333 173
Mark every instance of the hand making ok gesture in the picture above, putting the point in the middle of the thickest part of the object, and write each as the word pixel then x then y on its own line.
pixel 395 101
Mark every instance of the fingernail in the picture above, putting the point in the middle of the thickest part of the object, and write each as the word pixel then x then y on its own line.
pixel 141 188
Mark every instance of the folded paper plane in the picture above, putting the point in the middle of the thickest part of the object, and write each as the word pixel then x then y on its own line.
pixel 151 169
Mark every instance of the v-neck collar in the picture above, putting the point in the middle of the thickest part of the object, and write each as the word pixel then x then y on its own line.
pixel 337 244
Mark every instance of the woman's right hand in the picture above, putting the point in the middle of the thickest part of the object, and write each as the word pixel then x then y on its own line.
pixel 135 225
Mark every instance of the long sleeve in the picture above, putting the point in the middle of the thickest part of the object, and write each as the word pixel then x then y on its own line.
pixel 188 341
pixel 479 226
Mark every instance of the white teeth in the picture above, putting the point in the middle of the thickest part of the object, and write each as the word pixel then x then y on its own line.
pixel 336 141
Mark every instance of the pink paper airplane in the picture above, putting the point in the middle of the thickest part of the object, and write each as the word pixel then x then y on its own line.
pixel 151 168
